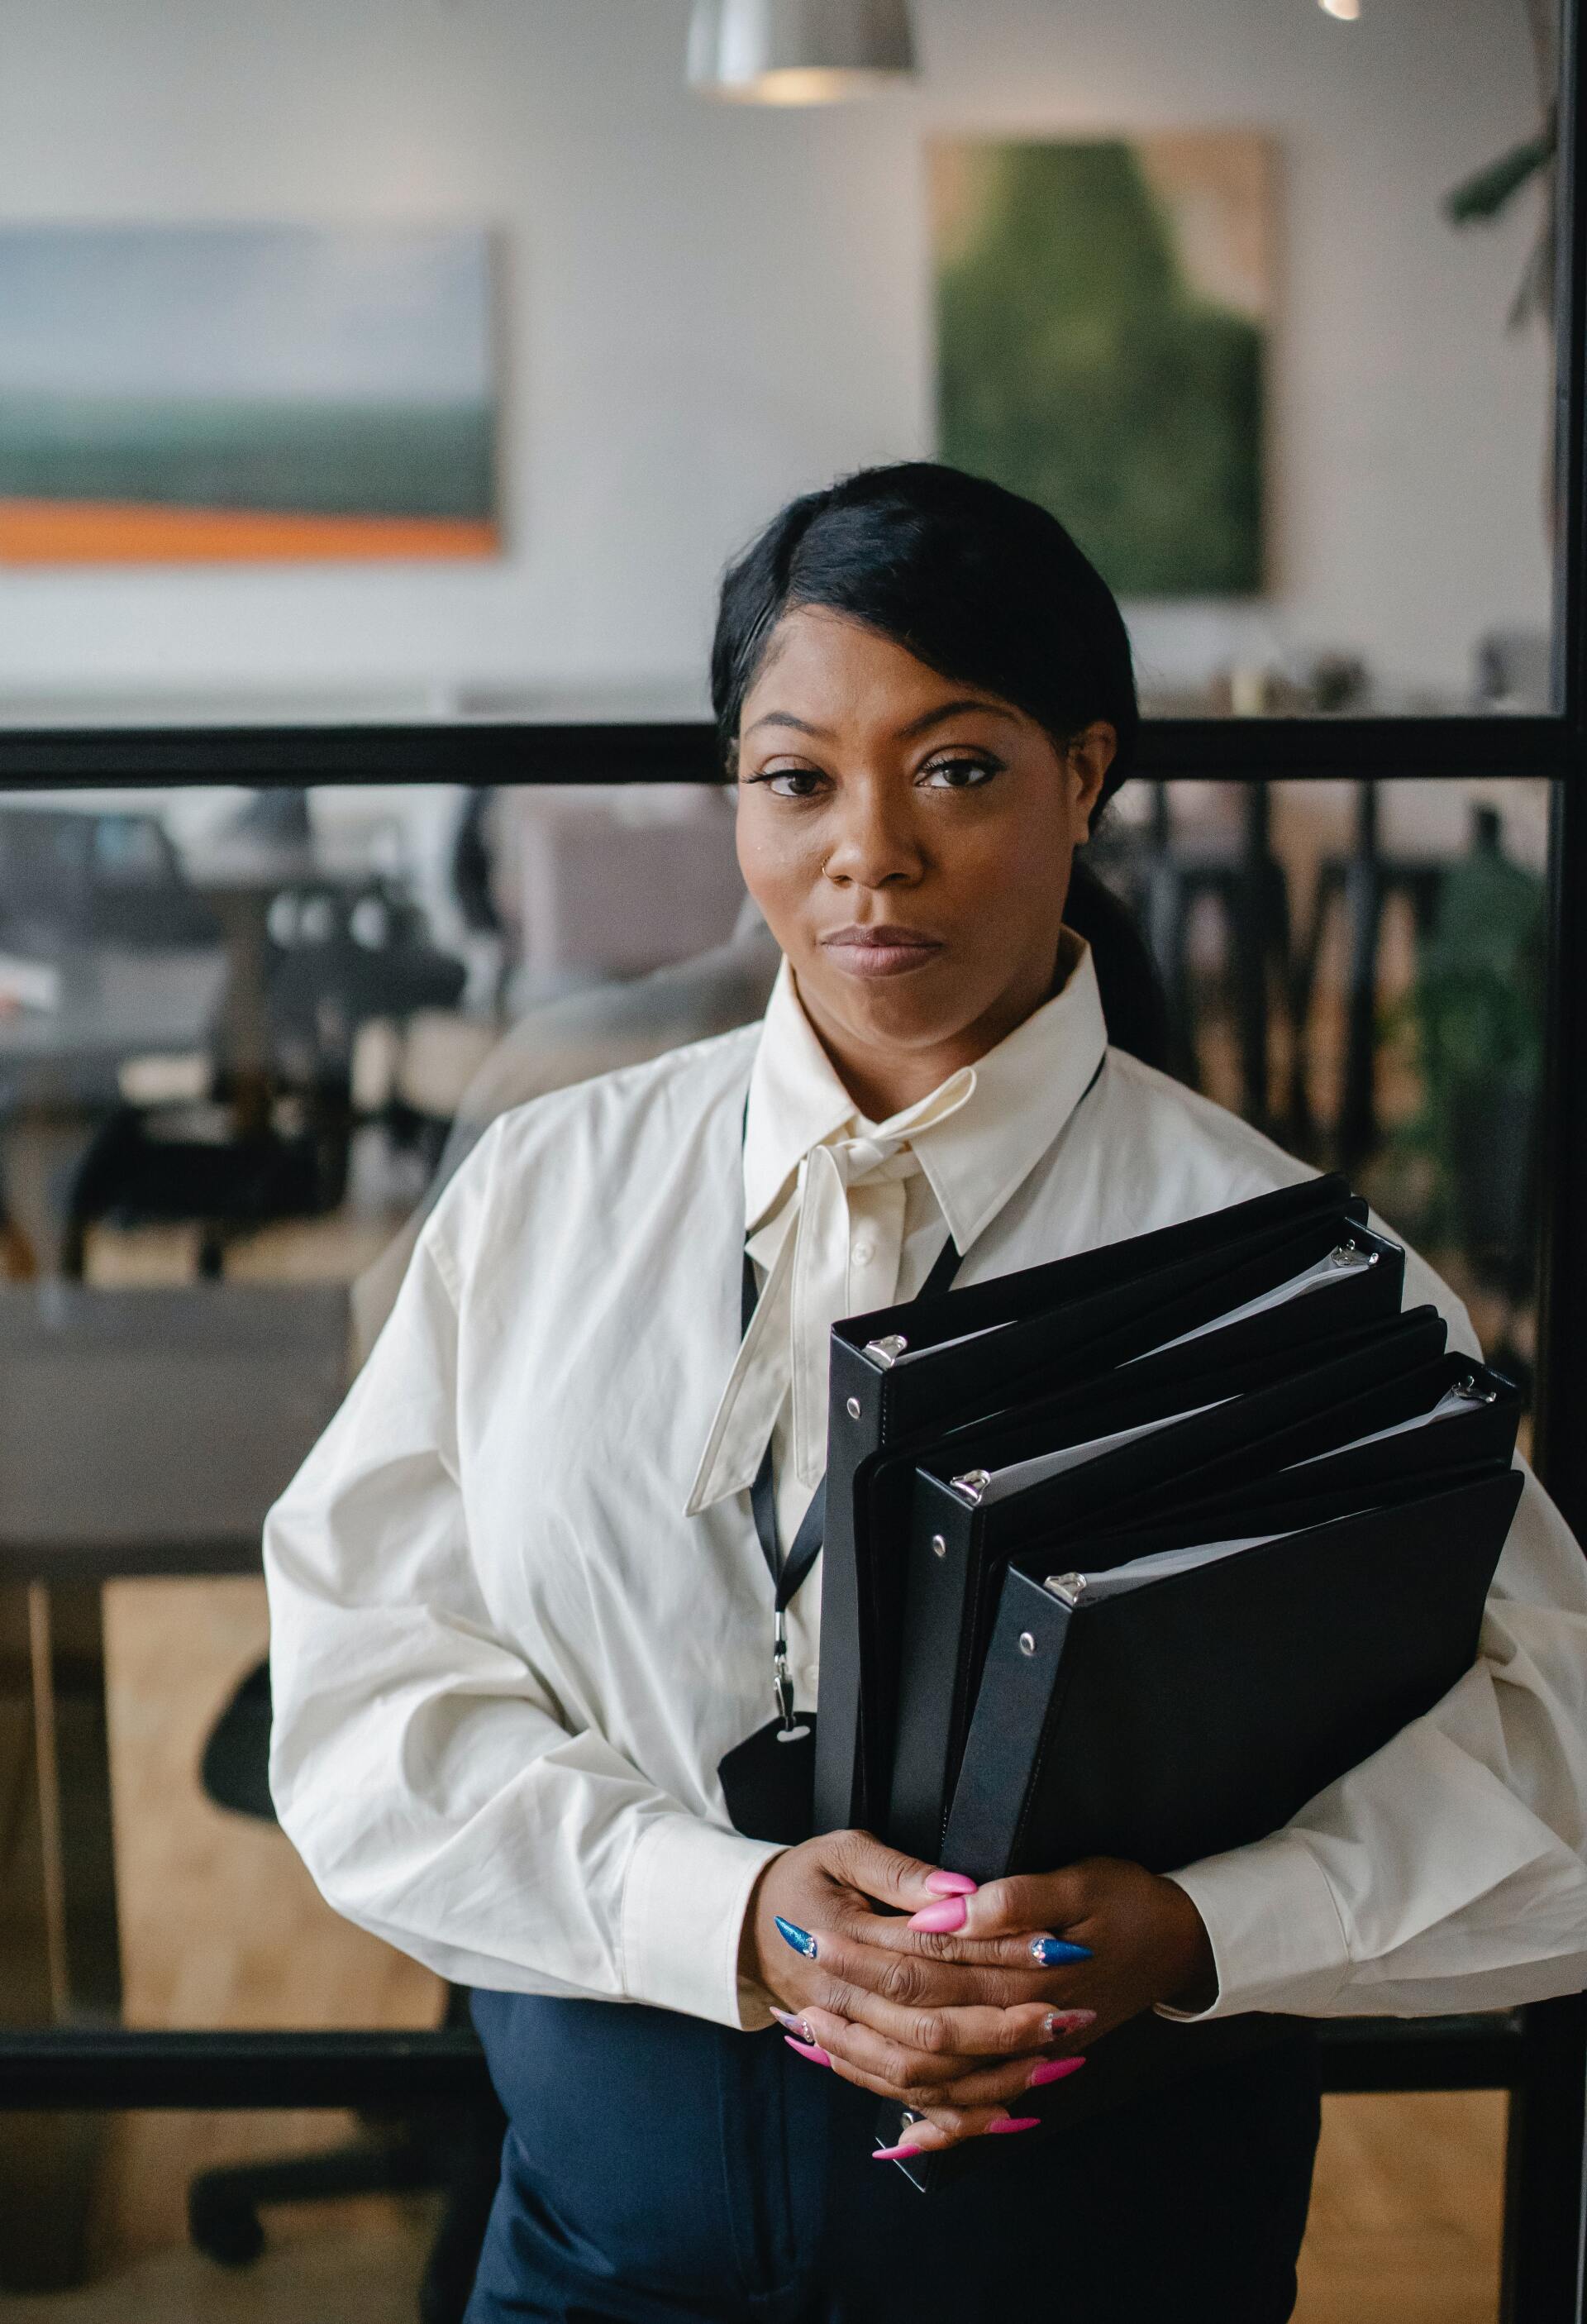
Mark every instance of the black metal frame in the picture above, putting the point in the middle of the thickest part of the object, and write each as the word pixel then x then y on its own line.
pixel 1540 2057
pixel 1237 750
pixel 404 2071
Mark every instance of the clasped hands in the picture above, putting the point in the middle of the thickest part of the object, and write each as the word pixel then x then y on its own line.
pixel 953 2001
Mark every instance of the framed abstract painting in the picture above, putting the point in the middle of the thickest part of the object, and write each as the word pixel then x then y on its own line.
pixel 245 395
pixel 1104 309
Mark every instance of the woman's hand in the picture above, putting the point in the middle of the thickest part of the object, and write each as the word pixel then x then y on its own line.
pixel 970 2015
pixel 827 1935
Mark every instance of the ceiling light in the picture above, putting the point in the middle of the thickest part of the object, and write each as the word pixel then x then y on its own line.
pixel 1347 11
pixel 798 51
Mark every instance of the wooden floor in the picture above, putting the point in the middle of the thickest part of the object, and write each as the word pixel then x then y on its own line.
pixel 1405 2215
pixel 221 1925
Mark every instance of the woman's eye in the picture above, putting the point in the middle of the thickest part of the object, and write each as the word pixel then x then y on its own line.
pixel 791 782
pixel 957 774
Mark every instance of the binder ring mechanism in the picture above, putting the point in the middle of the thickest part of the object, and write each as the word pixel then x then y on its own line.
pixel 1067 1588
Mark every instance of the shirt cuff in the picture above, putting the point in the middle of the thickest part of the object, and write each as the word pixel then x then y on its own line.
pixel 1277 1940
pixel 684 1901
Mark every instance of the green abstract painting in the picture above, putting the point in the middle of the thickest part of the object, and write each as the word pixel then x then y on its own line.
pixel 1103 309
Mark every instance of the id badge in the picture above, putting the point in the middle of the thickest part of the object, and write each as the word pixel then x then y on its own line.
pixel 770 1781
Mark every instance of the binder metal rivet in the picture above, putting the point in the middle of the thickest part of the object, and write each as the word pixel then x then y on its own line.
pixel 1467 1387
pixel 887 1351
pixel 854 1407
pixel 940 1547
pixel 973 1484
pixel 1026 1643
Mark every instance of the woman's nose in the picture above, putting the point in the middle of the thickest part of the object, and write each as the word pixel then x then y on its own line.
pixel 875 846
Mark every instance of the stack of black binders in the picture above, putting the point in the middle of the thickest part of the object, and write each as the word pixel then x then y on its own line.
pixel 1133 1554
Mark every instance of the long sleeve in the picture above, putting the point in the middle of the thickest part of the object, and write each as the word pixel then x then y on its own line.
pixel 440 1793
pixel 1447 1872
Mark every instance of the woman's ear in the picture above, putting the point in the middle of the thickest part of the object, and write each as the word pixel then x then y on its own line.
pixel 1089 756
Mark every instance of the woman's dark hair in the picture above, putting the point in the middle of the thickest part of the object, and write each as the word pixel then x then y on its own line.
pixel 985 588
pixel 976 583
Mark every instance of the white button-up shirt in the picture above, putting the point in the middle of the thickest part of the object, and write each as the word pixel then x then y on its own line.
pixel 846 1215
pixel 520 1614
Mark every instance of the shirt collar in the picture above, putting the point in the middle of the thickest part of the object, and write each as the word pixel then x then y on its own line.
pixel 796 1101
pixel 978 1135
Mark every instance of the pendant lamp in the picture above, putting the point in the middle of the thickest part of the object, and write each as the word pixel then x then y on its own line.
pixel 799 51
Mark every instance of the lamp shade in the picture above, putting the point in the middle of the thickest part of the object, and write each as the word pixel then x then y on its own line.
pixel 798 51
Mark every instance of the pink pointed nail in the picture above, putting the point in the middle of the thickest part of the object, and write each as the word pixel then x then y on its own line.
pixel 949 1884
pixel 1053 2070
pixel 809 2050
pixel 1013 2122
pixel 941 1920
pixel 892 2153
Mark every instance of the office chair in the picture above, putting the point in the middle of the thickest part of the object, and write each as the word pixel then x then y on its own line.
pixel 1359 884
pixel 456 2153
pixel 233 1168
pixel 1164 875
pixel 177 1166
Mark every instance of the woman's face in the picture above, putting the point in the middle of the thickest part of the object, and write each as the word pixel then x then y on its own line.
pixel 908 840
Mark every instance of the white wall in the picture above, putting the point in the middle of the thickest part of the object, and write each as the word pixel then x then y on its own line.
pixel 707 309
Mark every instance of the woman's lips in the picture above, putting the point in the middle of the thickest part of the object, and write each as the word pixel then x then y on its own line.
pixel 884 951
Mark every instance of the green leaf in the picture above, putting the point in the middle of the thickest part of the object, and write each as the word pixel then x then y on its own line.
pixel 1485 194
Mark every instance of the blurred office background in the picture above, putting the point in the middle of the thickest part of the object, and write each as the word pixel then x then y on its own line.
pixel 244 1034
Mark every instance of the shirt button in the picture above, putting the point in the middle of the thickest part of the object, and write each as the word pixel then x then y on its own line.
pixel 864 1252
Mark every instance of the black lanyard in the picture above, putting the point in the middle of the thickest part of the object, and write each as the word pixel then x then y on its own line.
pixel 788 1573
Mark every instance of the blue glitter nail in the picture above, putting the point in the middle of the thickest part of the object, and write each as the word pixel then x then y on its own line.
pixel 800 1939
pixel 1049 1952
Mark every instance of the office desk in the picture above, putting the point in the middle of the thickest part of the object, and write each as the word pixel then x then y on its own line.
pixel 116 1003
pixel 239 877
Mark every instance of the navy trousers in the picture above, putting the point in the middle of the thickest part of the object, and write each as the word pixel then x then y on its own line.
pixel 657 2168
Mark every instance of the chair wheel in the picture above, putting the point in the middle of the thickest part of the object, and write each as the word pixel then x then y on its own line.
pixel 223 2227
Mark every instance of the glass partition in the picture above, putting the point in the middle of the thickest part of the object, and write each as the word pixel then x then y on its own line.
pixel 242 1042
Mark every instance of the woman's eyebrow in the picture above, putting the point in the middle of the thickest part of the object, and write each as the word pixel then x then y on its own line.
pixel 917 727
pixel 930 718
pixel 787 718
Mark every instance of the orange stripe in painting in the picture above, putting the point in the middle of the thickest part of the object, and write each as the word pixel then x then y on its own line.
pixel 94 532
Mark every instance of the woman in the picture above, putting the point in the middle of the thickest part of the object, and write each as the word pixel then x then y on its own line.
pixel 523 1625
